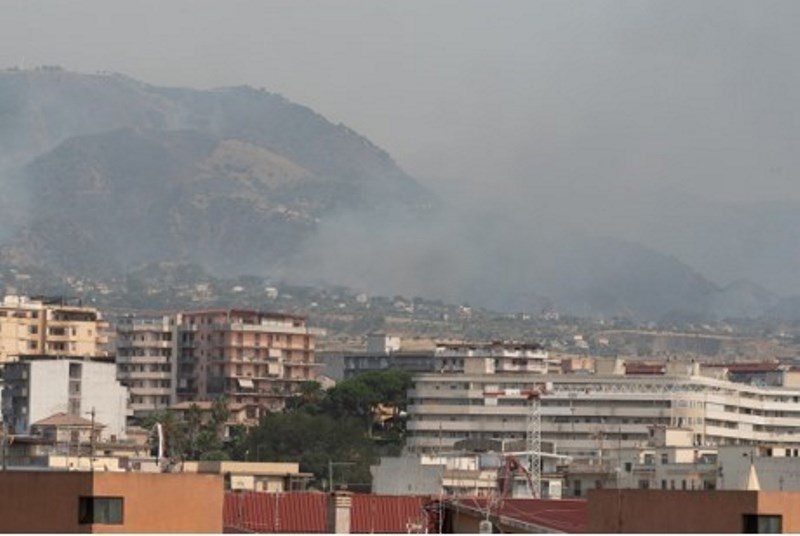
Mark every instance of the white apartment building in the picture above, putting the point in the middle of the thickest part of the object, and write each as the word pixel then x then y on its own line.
pixel 147 360
pixel 494 357
pixel 583 414
pixel 39 388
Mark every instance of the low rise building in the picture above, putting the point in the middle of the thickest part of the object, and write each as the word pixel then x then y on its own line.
pixel 238 414
pixel 476 468
pixel 771 467
pixel 383 352
pixel 276 477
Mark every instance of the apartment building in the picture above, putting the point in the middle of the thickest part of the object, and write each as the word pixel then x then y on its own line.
pixel 583 413
pixel 37 388
pixel 250 357
pixel 494 358
pixel 147 349
pixel 33 326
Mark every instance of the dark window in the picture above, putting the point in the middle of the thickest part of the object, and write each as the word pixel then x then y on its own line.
pixel 102 510
pixel 756 524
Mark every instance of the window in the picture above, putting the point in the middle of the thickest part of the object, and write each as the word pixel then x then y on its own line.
pixel 101 510
pixel 756 524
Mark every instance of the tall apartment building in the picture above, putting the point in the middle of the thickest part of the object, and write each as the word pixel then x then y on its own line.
pixel 147 349
pixel 49 327
pixel 37 388
pixel 251 357
pixel 582 414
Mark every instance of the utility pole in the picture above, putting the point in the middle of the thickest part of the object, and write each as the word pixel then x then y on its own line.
pixel 5 443
pixel 91 444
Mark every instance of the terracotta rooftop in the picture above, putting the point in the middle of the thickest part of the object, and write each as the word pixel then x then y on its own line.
pixel 766 366
pixel 307 512
pixel 64 419
pixel 655 369
pixel 562 515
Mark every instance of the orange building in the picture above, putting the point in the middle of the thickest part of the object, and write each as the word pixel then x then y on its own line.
pixel 667 511
pixel 249 357
pixel 69 502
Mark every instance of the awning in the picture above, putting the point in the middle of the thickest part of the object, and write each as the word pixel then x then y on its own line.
pixel 245 383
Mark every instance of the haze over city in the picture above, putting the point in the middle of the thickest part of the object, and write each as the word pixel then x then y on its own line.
pixel 408 266
pixel 543 126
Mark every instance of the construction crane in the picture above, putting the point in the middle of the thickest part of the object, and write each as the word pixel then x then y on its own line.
pixel 533 430
pixel 533 440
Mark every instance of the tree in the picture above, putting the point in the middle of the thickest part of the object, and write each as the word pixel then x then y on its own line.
pixel 359 397
pixel 312 440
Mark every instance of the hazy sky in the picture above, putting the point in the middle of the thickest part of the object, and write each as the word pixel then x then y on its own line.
pixel 548 98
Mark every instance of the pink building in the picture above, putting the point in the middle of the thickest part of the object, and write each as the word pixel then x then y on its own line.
pixel 255 358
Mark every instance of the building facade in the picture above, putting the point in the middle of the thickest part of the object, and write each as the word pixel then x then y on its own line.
pixel 37 388
pixel 249 357
pixel 147 349
pixel 720 512
pixel 50 327
pixel 583 414
pixel 110 502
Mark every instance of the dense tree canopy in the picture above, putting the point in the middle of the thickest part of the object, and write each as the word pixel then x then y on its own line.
pixel 338 425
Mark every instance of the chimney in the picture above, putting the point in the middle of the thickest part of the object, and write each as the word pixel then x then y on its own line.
pixel 339 505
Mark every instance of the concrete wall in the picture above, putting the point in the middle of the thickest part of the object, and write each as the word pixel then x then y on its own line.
pixel 775 473
pixel 101 390
pixel 406 476
pixel 786 504
pixel 687 511
pixel 668 511
pixel 47 502
pixel 48 392
pixel 164 502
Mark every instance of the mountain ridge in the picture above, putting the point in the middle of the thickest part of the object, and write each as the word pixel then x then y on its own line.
pixel 103 173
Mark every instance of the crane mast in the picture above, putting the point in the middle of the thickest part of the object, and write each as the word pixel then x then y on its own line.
pixel 533 439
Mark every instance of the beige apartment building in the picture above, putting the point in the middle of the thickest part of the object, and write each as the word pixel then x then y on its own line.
pixel 30 326
pixel 255 358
